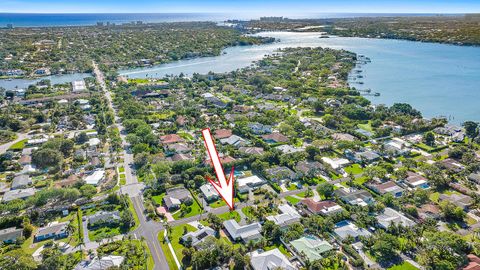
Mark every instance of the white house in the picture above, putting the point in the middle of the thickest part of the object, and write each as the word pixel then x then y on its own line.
pixel 95 177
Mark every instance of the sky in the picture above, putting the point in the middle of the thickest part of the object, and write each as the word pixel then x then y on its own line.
pixel 263 7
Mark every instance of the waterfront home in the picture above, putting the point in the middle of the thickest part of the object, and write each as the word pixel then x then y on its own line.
pixel 21 181
pixel 102 217
pixel 53 230
pixel 311 247
pixel 175 197
pixel 209 192
pixel 246 184
pixel 275 137
pixel 258 128
pixel 355 196
pixel 10 235
pixel 288 216
pixel 78 86
pixel 198 237
pixel 18 194
pixel 244 233
pixel 391 216
pixel 345 229
pixel 310 168
pixel 280 174
pixel 387 187
pixel 95 178
pixel 269 260
pixel 321 207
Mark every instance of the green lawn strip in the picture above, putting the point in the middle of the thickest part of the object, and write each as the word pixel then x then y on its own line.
pixel 230 215
pixel 123 179
pixel 18 145
pixel 175 235
pixel 80 225
pixel 150 262
pixel 292 200
pixel 121 169
pixel 195 209
pixel 404 266
pixel 134 214
pixel 292 187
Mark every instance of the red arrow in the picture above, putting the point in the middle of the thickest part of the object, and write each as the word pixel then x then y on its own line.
pixel 223 187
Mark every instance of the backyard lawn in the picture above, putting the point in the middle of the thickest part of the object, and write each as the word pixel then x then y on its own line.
pixel 354 169
pixel 292 200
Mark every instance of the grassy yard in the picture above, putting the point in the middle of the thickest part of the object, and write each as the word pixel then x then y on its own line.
pixel 230 215
pixel 18 145
pixel 158 199
pixel 280 247
pixel 403 266
pixel 292 200
pixel 103 232
pixel 194 210
pixel 248 212
pixel 121 169
pixel 175 235
pixel 367 126
pixel 361 180
pixel 220 203
pixel 354 169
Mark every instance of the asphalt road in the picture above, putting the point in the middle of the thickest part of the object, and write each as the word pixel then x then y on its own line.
pixel 147 229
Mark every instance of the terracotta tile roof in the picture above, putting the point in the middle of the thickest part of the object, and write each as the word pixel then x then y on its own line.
pixel 222 133
pixel 276 137
pixel 170 138
pixel 317 207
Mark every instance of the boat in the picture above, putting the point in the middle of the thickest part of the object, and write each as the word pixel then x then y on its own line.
pixel 376 94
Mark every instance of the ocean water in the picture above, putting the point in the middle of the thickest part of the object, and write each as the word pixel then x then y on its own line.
pixel 58 19
pixel 81 19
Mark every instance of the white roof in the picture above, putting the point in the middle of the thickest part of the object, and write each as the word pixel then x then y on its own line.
pixel 268 260
pixel 79 85
pixel 336 163
pixel 288 215
pixel 95 177
pixel 250 181
pixel 100 264
pixel 208 190
pixel 94 141
pixel 391 216
pixel 246 232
